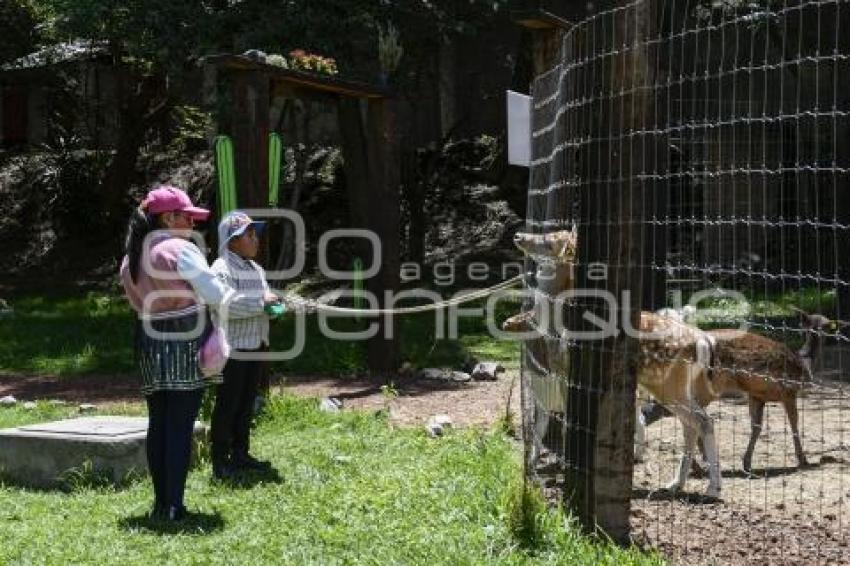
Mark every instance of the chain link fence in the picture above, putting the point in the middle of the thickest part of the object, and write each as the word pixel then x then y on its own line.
pixel 701 151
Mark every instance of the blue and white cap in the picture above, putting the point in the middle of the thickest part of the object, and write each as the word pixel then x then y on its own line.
pixel 234 225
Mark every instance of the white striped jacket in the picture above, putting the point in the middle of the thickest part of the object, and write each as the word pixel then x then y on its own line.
pixel 247 324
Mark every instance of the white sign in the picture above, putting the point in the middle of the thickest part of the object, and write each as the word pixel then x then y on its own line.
pixel 519 129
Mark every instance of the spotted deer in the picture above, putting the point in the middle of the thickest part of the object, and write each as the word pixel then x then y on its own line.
pixel 673 360
pixel 766 371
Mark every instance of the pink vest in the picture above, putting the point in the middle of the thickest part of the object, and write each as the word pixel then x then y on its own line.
pixel 162 253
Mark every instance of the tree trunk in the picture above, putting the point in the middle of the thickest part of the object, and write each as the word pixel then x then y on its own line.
pixel 371 157
pixel 600 410
pixel 141 105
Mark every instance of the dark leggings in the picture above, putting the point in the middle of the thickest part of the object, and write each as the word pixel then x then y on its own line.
pixel 171 422
pixel 234 408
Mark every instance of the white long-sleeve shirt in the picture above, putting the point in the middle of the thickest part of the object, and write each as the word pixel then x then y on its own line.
pixel 247 324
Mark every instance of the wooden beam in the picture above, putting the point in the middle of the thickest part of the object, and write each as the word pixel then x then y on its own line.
pixel 539 19
pixel 314 81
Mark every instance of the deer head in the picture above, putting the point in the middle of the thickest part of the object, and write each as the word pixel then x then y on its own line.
pixel 814 325
pixel 558 247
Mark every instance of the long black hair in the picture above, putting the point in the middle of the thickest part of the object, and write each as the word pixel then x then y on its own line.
pixel 141 224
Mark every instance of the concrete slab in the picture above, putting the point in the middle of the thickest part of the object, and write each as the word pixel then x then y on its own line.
pixel 39 455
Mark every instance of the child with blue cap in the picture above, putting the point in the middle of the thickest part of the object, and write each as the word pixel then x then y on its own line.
pixel 247 329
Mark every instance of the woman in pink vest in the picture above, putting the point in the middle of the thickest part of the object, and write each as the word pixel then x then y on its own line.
pixel 167 281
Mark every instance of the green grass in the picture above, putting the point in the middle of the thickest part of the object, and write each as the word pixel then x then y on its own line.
pixel 75 335
pixel 353 491
pixel 94 335
pixel 724 310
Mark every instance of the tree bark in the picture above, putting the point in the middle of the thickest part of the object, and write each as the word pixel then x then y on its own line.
pixel 372 173
pixel 600 409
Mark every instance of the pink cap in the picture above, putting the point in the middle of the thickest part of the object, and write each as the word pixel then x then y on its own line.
pixel 169 199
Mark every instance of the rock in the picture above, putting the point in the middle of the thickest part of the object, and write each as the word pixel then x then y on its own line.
pixel 437 425
pixel 406 369
pixel 460 376
pixel 330 405
pixel 29 405
pixel 87 408
pixel 444 421
pixel 256 55
pixel 8 401
pixel 434 430
pixel 6 309
pixel 435 374
pixel 58 402
pixel 487 371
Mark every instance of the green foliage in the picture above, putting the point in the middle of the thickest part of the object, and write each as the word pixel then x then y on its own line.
pixel 19 21
pixel 390 50
pixel 720 310
pixel 352 491
pixel 524 510
pixel 93 334
pixel 190 126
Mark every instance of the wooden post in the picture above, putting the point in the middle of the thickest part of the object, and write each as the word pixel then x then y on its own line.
pixel 249 129
pixel 600 408
pixel 385 171
pixel 372 171
pixel 250 133
pixel 546 45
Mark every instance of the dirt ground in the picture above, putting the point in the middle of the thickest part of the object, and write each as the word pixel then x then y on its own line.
pixel 781 515
pixel 474 403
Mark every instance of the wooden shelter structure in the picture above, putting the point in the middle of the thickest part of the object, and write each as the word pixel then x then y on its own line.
pixel 242 91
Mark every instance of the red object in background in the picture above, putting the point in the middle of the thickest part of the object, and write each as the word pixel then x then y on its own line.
pixel 14 117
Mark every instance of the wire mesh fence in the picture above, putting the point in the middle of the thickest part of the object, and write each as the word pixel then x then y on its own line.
pixel 701 151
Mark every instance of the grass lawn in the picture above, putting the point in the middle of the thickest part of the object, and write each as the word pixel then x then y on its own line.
pixel 352 490
pixel 93 334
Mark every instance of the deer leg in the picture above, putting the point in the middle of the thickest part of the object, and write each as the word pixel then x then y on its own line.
pixel 756 419
pixel 697 470
pixel 691 433
pixel 790 404
pixel 640 435
pixel 711 454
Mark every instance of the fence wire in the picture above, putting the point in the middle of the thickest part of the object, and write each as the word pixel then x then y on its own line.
pixel 718 133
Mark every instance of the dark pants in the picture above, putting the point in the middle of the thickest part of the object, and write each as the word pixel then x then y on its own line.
pixel 171 422
pixel 234 407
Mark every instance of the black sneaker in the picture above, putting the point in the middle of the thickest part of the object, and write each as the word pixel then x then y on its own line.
pixel 248 462
pixel 176 513
pixel 224 471
pixel 159 512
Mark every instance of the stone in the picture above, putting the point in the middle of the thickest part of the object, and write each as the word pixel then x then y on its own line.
pixel 443 421
pixel 436 374
pixel 29 405
pixel 460 376
pixel 434 430
pixel 487 371
pixel 433 374
pixel 88 408
pixel 330 405
pixel 58 402
pixel 8 401
pixel 39 455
